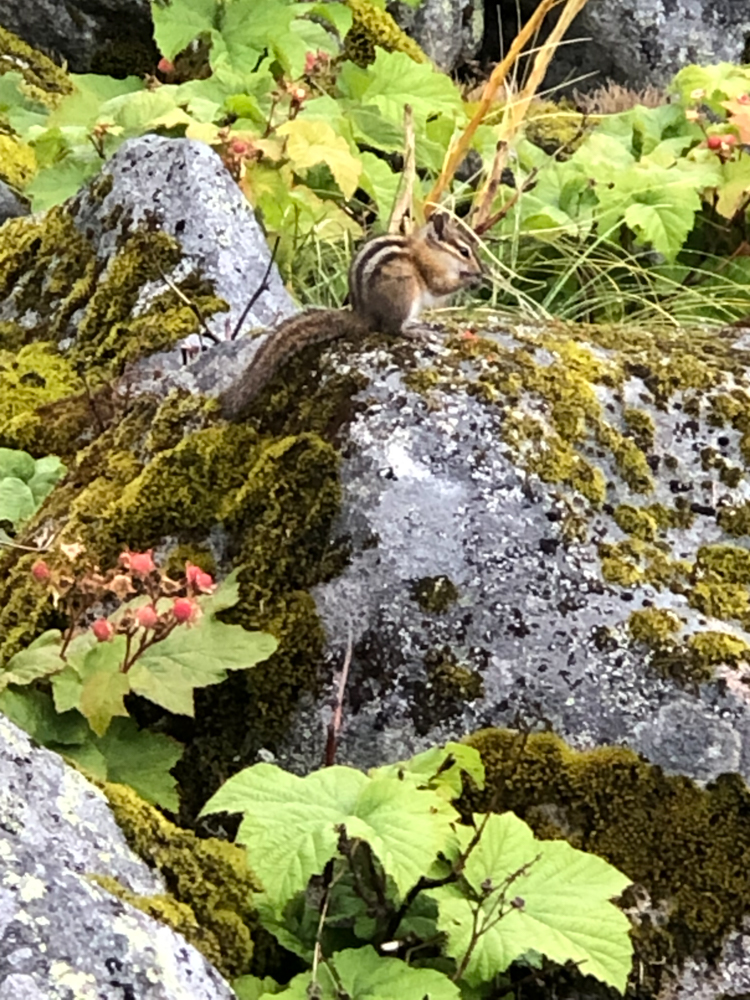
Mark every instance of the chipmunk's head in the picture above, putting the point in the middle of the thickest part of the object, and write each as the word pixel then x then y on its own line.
pixel 453 250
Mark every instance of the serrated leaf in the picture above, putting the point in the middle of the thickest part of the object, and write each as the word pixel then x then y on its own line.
pixel 290 823
pixel 562 906
pixel 32 710
pixel 310 143
pixel 39 659
pixel 177 24
pixel 83 106
pixel 54 185
pixel 104 685
pixel 439 768
pixel 168 672
pixel 380 182
pixel 734 187
pixel 143 760
pixel 362 974
pixel 394 80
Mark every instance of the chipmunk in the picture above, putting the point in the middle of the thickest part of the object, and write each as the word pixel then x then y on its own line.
pixel 391 280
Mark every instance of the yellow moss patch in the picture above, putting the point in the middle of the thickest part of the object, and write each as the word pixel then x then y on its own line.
pixel 17 162
pixel 43 80
pixel 372 26
pixel 636 521
pixel 211 887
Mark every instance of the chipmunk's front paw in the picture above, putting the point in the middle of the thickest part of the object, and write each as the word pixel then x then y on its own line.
pixel 425 333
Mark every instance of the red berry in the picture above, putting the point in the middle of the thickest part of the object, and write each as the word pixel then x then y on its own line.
pixel 147 616
pixel 204 582
pixel 165 66
pixel 183 609
pixel 102 629
pixel 714 141
pixel 239 146
pixel 40 571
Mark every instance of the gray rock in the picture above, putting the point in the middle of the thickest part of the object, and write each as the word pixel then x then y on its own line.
pixel 62 937
pixel 11 205
pixel 80 32
pixel 641 42
pixel 184 187
pixel 449 31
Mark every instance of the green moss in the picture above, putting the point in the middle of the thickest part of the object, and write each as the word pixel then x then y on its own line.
pixel 43 80
pixel 636 521
pixel 634 561
pixel 724 563
pixel 434 593
pixel 210 885
pixel 372 26
pixel 735 520
pixel 654 626
pixel 17 162
pixel 29 379
pixel 686 845
pixel 448 685
pixel 640 426
pixel 712 648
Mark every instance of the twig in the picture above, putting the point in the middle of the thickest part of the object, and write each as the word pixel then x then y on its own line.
pixel 403 205
pixel 488 223
pixel 193 306
pixel 334 726
pixel 262 287
pixel 457 153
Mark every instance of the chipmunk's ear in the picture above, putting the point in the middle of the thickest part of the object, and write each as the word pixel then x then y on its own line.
pixel 439 222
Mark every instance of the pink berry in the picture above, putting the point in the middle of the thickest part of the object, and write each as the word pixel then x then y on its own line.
pixel 239 147
pixel 714 141
pixel 140 563
pixel 40 571
pixel 147 616
pixel 102 629
pixel 165 66
pixel 204 582
pixel 183 609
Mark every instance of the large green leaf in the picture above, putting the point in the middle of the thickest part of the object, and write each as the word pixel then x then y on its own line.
pixel 143 760
pixel 177 24
pixel 16 464
pixel 362 974
pixel 191 657
pixel 47 472
pixel 39 659
pixel 290 823
pixel 561 906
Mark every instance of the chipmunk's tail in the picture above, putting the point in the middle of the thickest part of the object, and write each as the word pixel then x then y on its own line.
pixel 317 326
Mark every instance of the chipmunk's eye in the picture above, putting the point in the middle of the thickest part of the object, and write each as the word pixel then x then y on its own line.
pixel 465 252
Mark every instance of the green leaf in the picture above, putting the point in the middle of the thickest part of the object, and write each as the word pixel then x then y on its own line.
pixel 177 24
pixel 380 182
pixel 143 760
pixel 47 473
pixel 339 15
pixel 362 974
pixel 53 186
pixel 311 142
pixel 104 685
pixel 394 80
pixel 16 501
pixel 562 905
pixel 16 464
pixel 290 823
pixel 84 106
pixel 39 659
pixel 196 656
pixel 32 710
pixel 253 987
pixel 439 768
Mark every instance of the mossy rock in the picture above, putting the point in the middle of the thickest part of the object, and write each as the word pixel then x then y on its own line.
pixel 211 887
pixel 685 844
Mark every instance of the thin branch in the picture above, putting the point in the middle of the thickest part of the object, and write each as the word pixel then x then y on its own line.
pixel 403 205
pixel 262 287
pixel 334 727
pixel 193 306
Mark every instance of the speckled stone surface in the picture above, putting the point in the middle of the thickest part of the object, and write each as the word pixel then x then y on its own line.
pixel 62 937
pixel 641 42
pixel 449 31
